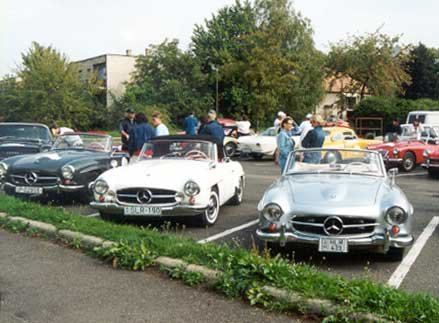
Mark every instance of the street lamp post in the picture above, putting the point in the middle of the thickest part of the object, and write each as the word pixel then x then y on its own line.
pixel 215 68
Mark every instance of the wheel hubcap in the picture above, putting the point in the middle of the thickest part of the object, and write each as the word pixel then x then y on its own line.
pixel 212 209
pixel 408 163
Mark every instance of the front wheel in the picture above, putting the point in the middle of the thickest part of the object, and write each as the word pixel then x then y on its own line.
pixel 408 162
pixel 230 149
pixel 210 215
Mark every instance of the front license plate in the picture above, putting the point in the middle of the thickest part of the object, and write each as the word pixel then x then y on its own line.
pixel 29 190
pixel 333 245
pixel 143 210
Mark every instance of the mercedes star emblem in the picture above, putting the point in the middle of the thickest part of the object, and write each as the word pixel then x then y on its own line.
pixel 333 226
pixel 30 178
pixel 144 196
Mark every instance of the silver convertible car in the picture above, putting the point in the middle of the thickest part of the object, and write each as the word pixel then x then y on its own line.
pixel 337 200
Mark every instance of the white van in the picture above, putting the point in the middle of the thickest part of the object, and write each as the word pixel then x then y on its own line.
pixel 426 117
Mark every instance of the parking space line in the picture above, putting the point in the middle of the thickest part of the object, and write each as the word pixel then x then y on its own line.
pixel 404 267
pixel 228 232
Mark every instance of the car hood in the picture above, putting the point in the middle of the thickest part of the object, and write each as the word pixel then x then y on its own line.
pixel 251 140
pixel 52 160
pixel 329 190
pixel 166 174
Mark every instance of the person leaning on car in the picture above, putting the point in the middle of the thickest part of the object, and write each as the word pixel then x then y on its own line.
pixel 393 130
pixel 314 139
pixel 125 127
pixel 141 133
pixel 213 128
pixel 285 142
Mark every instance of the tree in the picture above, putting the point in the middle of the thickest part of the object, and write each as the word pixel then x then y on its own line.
pixel 376 63
pixel 423 70
pixel 47 89
pixel 168 79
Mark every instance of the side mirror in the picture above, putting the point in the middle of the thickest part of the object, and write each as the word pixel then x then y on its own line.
pixel 392 174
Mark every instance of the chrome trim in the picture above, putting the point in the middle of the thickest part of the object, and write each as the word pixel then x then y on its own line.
pixel 65 188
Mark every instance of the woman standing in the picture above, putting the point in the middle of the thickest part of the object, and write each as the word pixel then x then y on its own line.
pixel 285 142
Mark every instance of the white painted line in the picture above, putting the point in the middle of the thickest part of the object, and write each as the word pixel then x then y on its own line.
pixel 228 232
pixel 404 267
pixel 93 215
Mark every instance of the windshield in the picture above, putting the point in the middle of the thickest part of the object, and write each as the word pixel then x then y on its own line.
pixel 269 132
pixel 83 142
pixel 182 149
pixel 348 161
pixel 21 132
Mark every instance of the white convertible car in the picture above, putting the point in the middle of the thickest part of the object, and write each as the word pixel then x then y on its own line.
pixel 262 145
pixel 174 175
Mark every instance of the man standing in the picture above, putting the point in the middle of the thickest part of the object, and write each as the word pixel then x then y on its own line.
pixel 393 130
pixel 213 128
pixel 243 126
pixel 160 128
pixel 190 124
pixel 125 127
pixel 139 134
pixel 314 139
pixel 280 116
pixel 305 126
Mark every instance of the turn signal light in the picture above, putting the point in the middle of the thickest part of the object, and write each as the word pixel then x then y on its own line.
pixel 272 227
pixel 395 230
pixel 101 199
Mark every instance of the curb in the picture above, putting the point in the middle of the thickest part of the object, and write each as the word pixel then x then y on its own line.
pixel 314 306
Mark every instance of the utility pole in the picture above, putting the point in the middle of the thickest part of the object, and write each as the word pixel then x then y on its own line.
pixel 215 68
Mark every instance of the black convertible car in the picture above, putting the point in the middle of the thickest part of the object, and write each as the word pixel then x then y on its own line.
pixel 74 160
pixel 23 138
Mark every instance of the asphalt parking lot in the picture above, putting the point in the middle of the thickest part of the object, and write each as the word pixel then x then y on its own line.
pixel 237 224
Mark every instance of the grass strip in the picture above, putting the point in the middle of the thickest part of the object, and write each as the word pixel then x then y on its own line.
pixel 245 272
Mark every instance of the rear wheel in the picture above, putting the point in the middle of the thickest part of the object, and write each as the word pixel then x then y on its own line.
pixel 210 216
pixel 230 149
pixel 239 193
pixel 408 162
pixel 395 254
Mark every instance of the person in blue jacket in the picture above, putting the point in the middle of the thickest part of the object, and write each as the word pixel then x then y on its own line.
pixel 190 124
pixel 285 142
pixel 141 132
pixel 314 139
pixel 213 128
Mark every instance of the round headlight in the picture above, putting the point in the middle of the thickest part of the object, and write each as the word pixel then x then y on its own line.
pixel 426 153
pixel 396 215
pixel 67 172
pixel 114 163
pixel 3 169
pixel 191 188
pixel 395 151
pixel 272 212
pixel 101 187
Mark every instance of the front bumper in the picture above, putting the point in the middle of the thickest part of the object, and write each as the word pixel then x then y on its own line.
pixel 378 239
pixel 174 210
pixel 58 188
pixel 393 161
pixel 428 165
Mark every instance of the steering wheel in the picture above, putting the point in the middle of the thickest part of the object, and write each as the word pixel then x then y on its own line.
pixel 172 154
pixel 195 153
pixel 96 146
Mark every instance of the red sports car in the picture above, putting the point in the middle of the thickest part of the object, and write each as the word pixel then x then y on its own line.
pixel 431 163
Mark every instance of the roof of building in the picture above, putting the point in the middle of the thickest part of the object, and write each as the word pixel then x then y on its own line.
pixel 341 84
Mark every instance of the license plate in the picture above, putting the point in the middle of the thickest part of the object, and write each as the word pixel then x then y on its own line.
pixel 333 245
pixel 143 210
pixel 29 190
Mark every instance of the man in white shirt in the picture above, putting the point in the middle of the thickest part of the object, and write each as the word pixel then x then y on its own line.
pixel 57 130
pixel 160 128
pixel 280 116
pixel 305 126
pixel 243 126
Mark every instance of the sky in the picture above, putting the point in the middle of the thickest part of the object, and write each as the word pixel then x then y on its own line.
pixel 87 28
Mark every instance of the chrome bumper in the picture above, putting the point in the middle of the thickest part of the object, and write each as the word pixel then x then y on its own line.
pixel 428 165
pixel 176 210
pixel 381 239
pixel 393 160
pixel 52 188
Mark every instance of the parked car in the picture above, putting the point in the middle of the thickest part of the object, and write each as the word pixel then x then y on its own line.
pixel 344 137
pixel 174 176
pixel 406 154
pixel 337 204
pixel 431 160
pixel 261 145
pixel 74 160
pixel 23 138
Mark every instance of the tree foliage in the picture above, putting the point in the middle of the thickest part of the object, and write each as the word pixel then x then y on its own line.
pixel 47 89
pixel 375 61
pixel 424 72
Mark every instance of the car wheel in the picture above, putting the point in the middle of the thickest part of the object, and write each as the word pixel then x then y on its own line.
pixel 111 217
pixel 257 156
pixel 239 193
pixel 230 149
pixel 408 162
pixel 395 254
pixel 210 216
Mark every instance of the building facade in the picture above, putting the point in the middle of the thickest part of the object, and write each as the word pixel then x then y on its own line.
pixel 113 70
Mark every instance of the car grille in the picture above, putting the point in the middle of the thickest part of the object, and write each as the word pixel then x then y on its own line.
pixel 42 179
pixel 6 152
pixel 311 224
pixel 157 196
